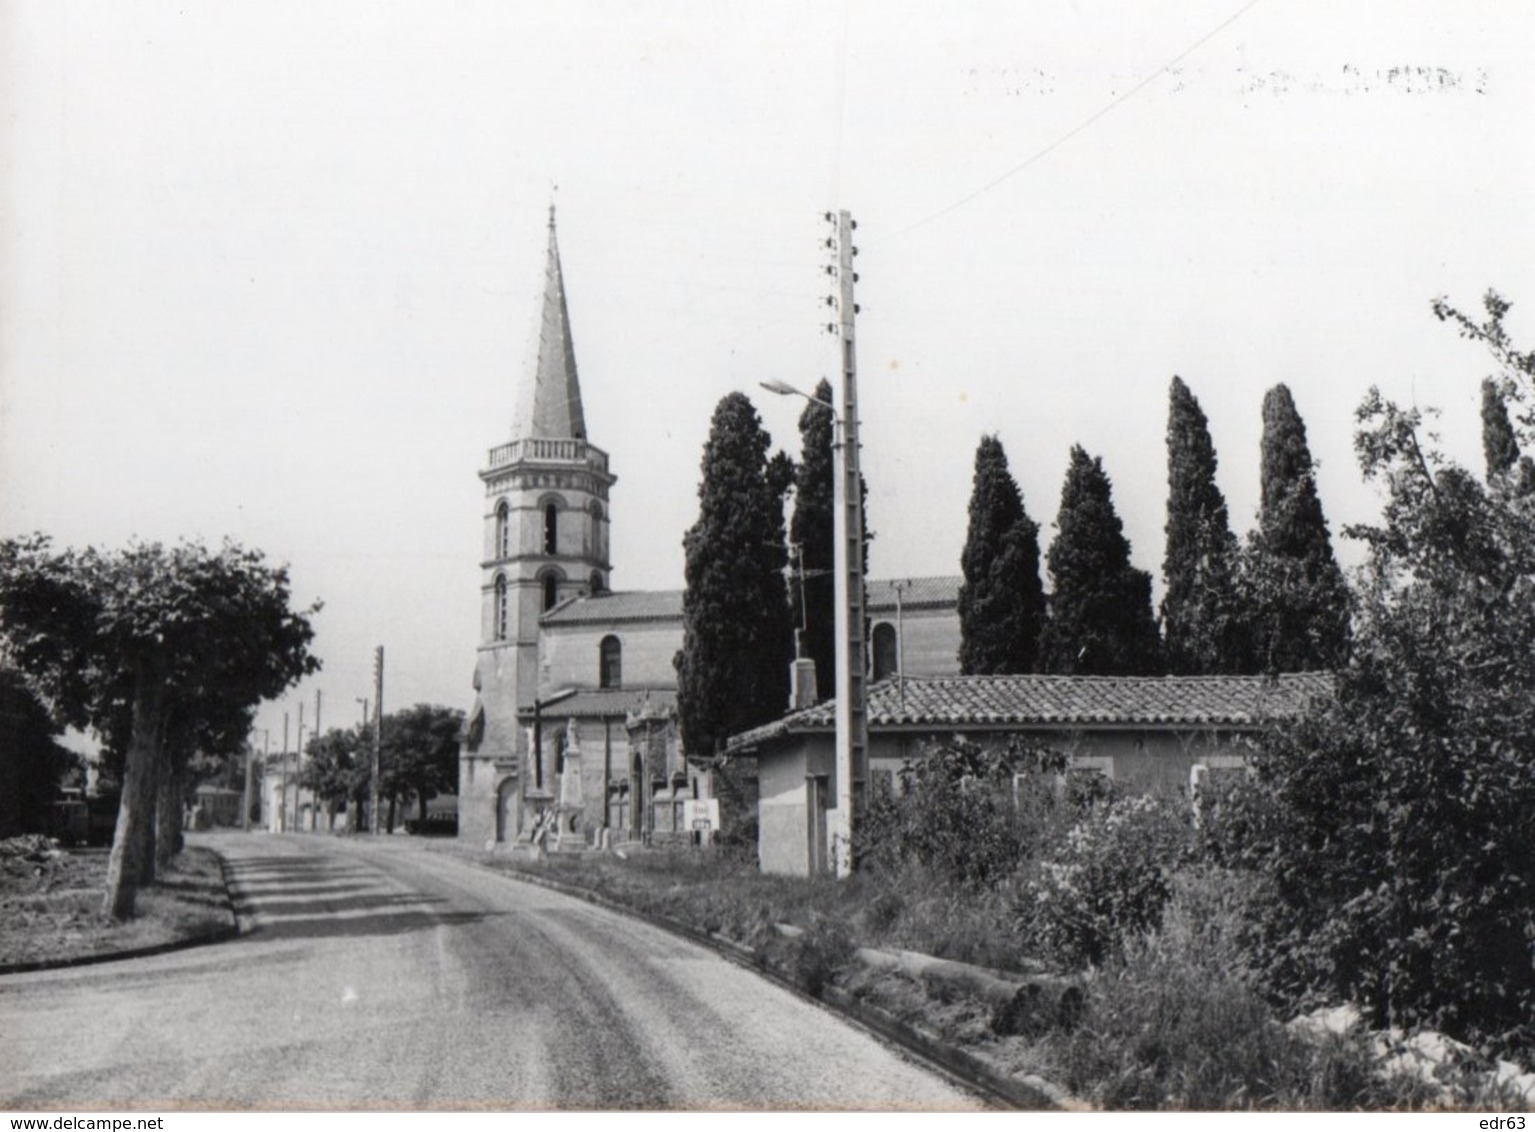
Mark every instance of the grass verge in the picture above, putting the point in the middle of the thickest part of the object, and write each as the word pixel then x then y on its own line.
pixel 50 907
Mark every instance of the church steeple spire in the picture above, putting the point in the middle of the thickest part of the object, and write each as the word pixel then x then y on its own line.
pixel 550 403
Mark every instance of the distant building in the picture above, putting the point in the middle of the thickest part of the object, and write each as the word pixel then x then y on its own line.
pixel 575 692
pixel 1145 732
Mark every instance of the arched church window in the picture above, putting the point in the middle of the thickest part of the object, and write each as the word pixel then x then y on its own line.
pixel 610 663
pixel 502 620
pixel 594 583
pixel 551 528
pixel 885 650
pixel 503 530
pixel 551 591
pixel 597 549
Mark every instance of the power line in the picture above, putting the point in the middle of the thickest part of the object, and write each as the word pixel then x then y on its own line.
pixel 1086 122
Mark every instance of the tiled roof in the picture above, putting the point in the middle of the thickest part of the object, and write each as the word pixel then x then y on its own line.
pixel 633 605
pixel 598 703
pixel 879 595
pixel 1068 702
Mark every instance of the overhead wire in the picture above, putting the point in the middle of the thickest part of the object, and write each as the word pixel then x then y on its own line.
pixel 1084 124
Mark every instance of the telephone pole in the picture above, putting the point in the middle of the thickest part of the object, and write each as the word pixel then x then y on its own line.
pixel 298 763
pixel 314 799
pixel 378 731
pixel 852 754
pixel 282 799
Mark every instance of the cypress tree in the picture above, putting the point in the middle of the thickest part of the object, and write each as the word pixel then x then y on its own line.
pixel 1100 622
pixel 812 596
pixel 733 668
pixel 1299 598
pixel 1201 626
pixel 1001 601
pixel 1499 445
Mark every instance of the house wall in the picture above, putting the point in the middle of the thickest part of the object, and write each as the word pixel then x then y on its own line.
pixel 1143 761
pixel 782 794
pixel 568 655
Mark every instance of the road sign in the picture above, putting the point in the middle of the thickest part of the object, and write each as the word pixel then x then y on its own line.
pixel 701 815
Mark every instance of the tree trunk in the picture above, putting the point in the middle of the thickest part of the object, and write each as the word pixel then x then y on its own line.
pixel 135 813
pixel 421 808
pixel 168 812
pixel 393 801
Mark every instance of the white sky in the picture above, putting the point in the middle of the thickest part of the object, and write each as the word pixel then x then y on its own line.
pixel 268 270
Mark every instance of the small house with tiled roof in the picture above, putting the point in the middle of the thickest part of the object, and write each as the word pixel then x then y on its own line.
pixel 1146 733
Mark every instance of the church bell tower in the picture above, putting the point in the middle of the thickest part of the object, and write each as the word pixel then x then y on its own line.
pixel 546 540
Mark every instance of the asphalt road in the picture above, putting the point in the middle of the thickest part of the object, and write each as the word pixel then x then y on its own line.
pixel 385 976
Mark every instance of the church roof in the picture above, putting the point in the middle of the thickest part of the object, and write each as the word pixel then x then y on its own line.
pixel 1038 701
pixel 940 591
pixel 600 703
pixel 549 402
pixel 633 605
pixel 666 605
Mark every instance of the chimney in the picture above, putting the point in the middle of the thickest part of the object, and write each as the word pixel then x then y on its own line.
pixel 802 679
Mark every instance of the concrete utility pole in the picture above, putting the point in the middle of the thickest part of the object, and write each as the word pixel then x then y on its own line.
pixel 852 755
pixel 314 809
pixel 282 799
pixel 266 767
pixel 378 731
pixel 298 763
pixel 245 795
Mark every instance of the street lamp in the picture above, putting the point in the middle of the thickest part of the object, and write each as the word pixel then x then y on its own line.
pixel 847 560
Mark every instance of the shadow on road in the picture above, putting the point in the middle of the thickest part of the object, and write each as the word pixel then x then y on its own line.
pixel 389 923
pixel 305 898
pixel 274 907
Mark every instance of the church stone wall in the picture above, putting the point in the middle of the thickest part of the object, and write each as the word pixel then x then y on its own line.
pixel 932 641
pixel 569 654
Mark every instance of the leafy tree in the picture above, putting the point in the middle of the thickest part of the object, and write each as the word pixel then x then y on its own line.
pixel 1001 601
pixel 1202 624
pixel 1403 846
pixel 418 758
pixel 32 763
pixel 1100 613
pixel 182 643
pixel 1298 600
pixel 733 668
pixel 338 770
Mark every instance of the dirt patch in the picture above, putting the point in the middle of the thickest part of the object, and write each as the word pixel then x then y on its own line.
pixel 50 904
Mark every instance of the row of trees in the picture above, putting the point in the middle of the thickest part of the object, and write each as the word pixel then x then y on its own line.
pixel 1277 602
pixel 418 760
pixel 740 617
pixel 164 652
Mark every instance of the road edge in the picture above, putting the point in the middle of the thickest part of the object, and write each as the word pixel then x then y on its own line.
pixel 1028 1093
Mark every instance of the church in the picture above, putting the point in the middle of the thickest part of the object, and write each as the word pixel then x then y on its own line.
pixel 572 737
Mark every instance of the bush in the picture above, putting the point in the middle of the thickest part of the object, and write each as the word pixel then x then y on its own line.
pixel 1105 880
pixel 973 814
pixel 1177 1022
